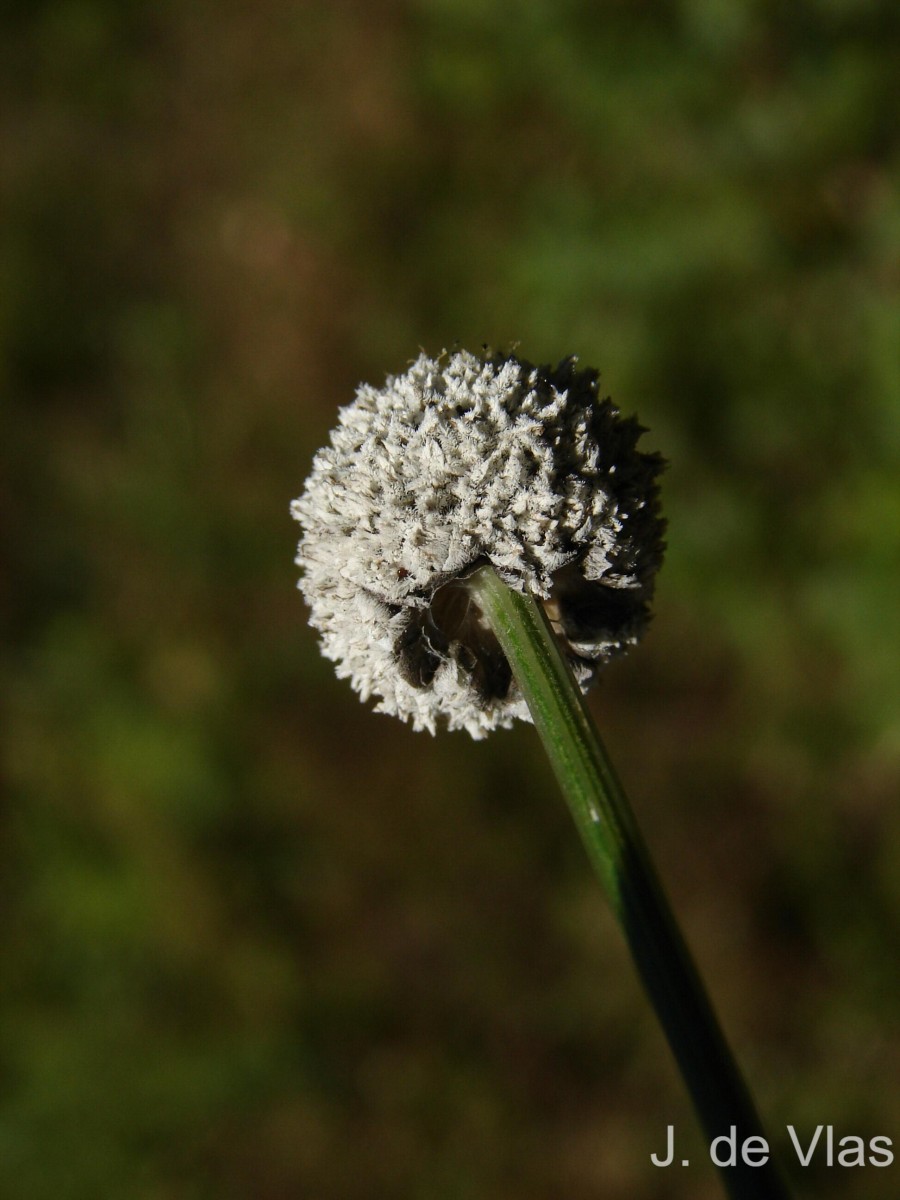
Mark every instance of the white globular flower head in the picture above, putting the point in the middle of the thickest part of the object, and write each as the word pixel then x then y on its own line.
pixel 460 461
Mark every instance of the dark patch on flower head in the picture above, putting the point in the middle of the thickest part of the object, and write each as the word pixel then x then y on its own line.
pixel 452 630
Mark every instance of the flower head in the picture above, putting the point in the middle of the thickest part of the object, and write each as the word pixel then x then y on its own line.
pixel 459 461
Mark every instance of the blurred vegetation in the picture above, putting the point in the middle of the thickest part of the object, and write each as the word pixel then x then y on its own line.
pixel 258 942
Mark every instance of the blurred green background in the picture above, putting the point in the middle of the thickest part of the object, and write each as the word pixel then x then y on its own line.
pixel 256 941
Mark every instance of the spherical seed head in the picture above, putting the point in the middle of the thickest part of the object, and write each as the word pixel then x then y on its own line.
pixel 459 461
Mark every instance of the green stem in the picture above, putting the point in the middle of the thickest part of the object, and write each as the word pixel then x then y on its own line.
pixel 617 850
